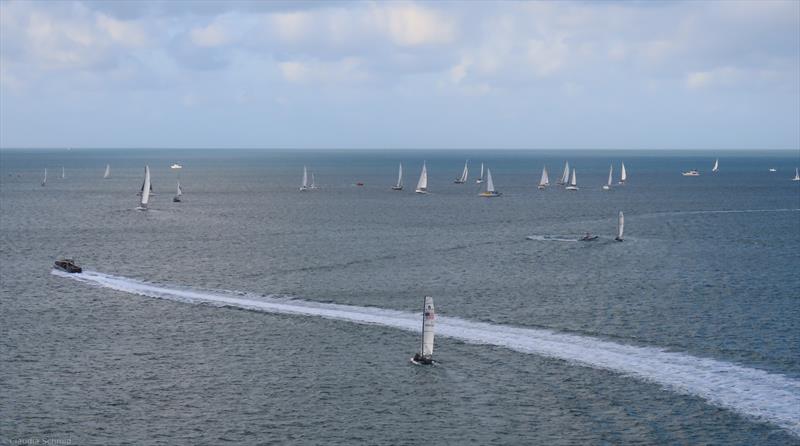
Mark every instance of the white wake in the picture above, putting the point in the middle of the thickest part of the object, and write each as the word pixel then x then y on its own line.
pixel 762 395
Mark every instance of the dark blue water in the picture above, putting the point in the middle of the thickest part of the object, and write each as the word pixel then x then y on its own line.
pixel 103 366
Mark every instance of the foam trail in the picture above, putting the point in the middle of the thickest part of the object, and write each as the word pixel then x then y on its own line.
pixel 762 395
pixel 550 238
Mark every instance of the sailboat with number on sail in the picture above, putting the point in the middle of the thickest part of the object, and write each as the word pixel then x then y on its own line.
pixel 545 180
pixel 490 190
pixel 145 190
pixel 422 184
pixel 573 183
pixel 620 227
pixel 463 178
pixel 425 355
pixel 399 185
pixel 607 186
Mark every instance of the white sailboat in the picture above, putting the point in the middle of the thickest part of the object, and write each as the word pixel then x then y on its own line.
pixel 150 184
pixel 422 184
pixel 607 186
pixel 399 185
pixel 179 194
pixel 304 186
pixel 623 175
pixel 490 190
pixel 107 174
pixel 463 178
pixel 565 175
pixel 425 355
pixel 44 180
pixel 573 183
pixel 313 185
pixel 620 227
pixel 796 175
pixel 480 178
pixel 716 166
pixel 63 173
pixel 145 190
pixel 545 180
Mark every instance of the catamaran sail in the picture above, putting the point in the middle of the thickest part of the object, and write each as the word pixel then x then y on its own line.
pixel 545 180
pixel 399 185
pixel 573 182
pixel 607 186
pixel 623 175
pixel 425 355
pixel 716 165
pixel 422 185
pixel 620 227
pixel 304 186
pixel 463 178
pixel 44 180
pixel 108 172
pixel 565 176
pixel 145 189
pixel 480 178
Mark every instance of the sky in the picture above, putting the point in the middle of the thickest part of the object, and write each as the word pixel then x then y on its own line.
pixel 396 74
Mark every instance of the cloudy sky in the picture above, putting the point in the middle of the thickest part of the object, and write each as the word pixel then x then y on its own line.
pixel 339 74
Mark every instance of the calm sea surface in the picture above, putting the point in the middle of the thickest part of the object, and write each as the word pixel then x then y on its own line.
pixel 686 333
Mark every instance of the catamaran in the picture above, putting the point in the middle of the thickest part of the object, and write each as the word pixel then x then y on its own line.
pixel 425 355
pixel 63 174
pixel 545 180
pixel 145 190
pixel 623 175
pixel 607 186
pixel 304 186
pixel 44 180
pixel 399 185
pixel 620 227
pixel 796 175
pixel 480 178
pixel 463 178
pixel 565 175
pixel 178 194
pixel 573 183
pixel 422 184
pixel 716 166
pixel 108 172
pixel 490 191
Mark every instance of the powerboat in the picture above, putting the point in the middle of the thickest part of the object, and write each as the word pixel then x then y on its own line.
pixel 68 265
pixel 691 173
pixel 588 237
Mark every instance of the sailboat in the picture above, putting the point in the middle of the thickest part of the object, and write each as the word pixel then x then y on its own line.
pixel 422 185
pixel 463 178
pixel 573 183
pixel 145 190
pixel 623 175
pixel 796 175
pixel 108 172
pixel 716 166
pixel 304 186
pixel 63 174
pixel 399 185
pixel 545 180
pixel 178 194
pixel 607 186
pixel 44 180
pixel 480 178
pixel 149 184
pixel 565 175
pixel 425 355
pixel 490 190
pixel 313 185
pixel 620 227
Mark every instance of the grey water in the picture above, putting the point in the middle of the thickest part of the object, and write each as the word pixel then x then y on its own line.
pixel 708 271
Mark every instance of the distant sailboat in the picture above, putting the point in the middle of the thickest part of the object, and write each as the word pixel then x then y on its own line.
pixel 623 175
pixel 480 178
pixel 490 190
pixel 716 165
pixel 145 190
pixel 178 194
pixel 108 172
pixel 545 180
pixel 464 173
pixel 422 185
pixel 573 183
pixel 620 227
pixel 304 186
pixel 63 173
pixel 44 180
pixel 399 185
pixel 607 186
pixel 425 355
pixel 149 184
pixel 796 175
pixel 565 175
pixel 313 185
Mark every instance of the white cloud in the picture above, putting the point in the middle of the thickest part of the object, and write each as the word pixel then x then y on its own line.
pixel 125 33
pixel 213 35
pixel 412 25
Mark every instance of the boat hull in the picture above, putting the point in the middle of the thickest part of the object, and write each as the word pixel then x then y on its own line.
pixel 67 267
pixel 397 188
pixel 421 191
pixel 490 194
pixel 572 188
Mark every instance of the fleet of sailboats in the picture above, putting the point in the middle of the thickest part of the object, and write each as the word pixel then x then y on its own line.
pixel 545 180
pixel 480 178
pixel 146 185
pixel 490 190
pixel 573 182
pixel 463 178
pixel 422 184
pixel 399 185
pixel 425 354
pixel 607 186
pixel 107 174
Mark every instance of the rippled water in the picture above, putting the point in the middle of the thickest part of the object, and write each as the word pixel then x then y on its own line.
pixel 716 290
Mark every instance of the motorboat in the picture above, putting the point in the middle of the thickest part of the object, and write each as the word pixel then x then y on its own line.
pixel 691 173
pixel 176 166
pixel 588 237
pixel 68 265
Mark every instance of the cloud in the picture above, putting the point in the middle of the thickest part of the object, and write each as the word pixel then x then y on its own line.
pixel 412 25
pixel 209 36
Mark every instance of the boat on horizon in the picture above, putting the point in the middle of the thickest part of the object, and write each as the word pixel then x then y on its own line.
pixel 490 190
pixel 463 178
pixel 422 184
pixel 545 180
pixel 425 354
pixel 573 182
pixel 772 169
pixel 691 173
pixel 176 166
pixel 399 185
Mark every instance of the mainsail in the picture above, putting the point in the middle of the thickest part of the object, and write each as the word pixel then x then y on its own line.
pixel 565 176
pixel 304 186
pixel 145 188
pixel 623 175
pixel 422 185
pixel 610 173
pixel 480 178
pixel 465 173
pixel 428 317
pixel 108 171
pixel 489 182
pixel 573 181
pixel 399 184
pixel 545 181
pixel 63 174
pixel 180 192
pixel 716 165
pixel 44 180
pixel 620 225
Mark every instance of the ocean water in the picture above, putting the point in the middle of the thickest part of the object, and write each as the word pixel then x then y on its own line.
pixel 253 313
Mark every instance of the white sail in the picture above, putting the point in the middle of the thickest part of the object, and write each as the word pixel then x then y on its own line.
pixel 489 182
pixel 108 171
pixel 480 178
pixel 716 165
pixel 304 186
pixel 422 185
pixel 400 177
pixel 180 192
pixel 44 180
pixel 610 174
pixel 145 188
pixel 565 175
pixel 796 175
pixel 623 175
pixel 465 173
pixel 620 225
pixel 573 181
pixel 545 181
pixel 63 173
pixel 313 181
pixel 428 317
